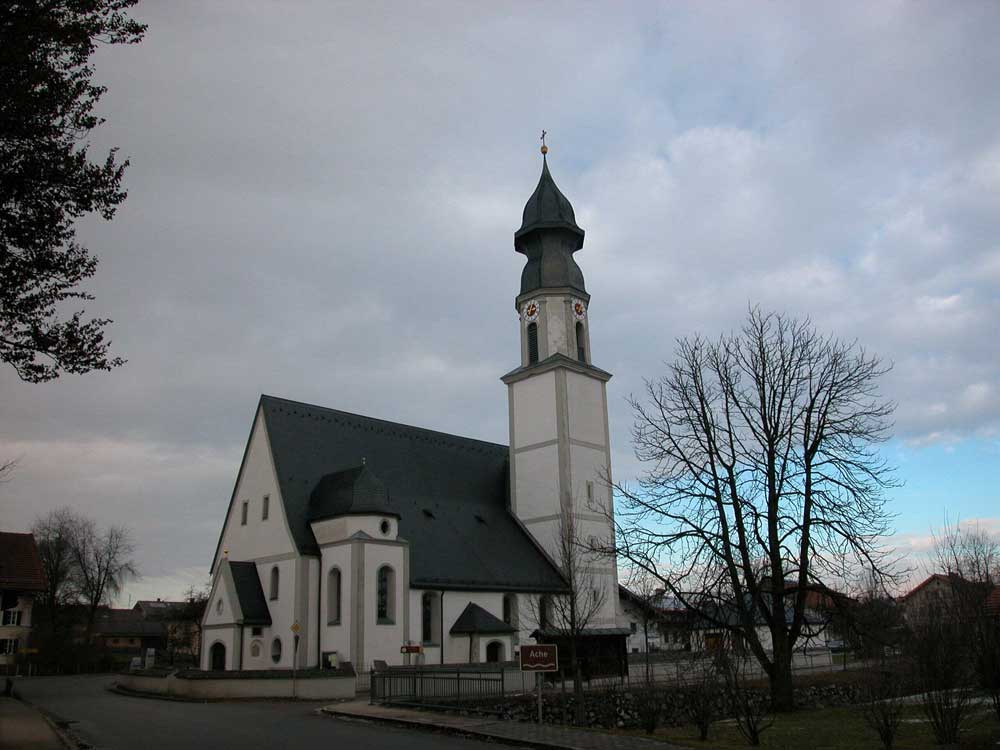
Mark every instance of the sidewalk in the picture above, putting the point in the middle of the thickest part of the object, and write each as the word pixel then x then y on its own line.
pixel 552 736
pixel 24 728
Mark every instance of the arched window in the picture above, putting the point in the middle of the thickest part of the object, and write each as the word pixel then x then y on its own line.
pixel 255 649
pixel 532 343
pixel 510 609
pixel 581 349
pixel 275 576
pixel 333 597
pixel 430 617
pixel 494 651
pixel 385 592
pixel 544 612
pixel 276 650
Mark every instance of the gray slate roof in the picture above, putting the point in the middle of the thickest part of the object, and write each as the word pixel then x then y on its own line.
pixel 250 593
pixel 450 494
pixel 350 492
pixel 475 619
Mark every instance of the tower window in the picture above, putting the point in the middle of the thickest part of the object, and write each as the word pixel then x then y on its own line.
pixel 265 508
pixel 532 343
pixel 243 514
pixel 581 350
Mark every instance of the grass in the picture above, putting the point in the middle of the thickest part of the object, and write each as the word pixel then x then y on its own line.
pixel 833 729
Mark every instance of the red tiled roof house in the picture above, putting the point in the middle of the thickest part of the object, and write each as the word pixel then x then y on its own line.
pixel 21 578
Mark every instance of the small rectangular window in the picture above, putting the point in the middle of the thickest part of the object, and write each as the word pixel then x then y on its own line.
pixel 266 508
pixel 590 491
pixel 12 617
pixel 243 518
pixel 257 630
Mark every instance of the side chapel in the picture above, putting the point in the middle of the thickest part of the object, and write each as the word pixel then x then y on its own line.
pixel 349 537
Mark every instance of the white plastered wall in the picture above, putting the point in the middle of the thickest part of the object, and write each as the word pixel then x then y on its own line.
pixel 337 637
pixel 383 641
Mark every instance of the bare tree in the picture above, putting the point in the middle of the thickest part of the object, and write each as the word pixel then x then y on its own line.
pixel 763 479
pixel 568 615
pixel 7 469
pixel 54 535
pixel 645 588
pixel 969 555
pixel 103 563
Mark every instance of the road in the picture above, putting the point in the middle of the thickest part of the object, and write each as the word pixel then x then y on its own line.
pixel 115 722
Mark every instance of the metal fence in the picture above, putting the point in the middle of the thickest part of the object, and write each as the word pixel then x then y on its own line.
pixel 415 685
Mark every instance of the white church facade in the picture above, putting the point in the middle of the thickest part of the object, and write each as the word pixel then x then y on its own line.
pixel 353 539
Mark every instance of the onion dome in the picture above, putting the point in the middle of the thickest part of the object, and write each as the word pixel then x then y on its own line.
pixel 549 235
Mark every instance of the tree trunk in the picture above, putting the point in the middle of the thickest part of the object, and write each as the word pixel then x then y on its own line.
pixel 579 709
pixel 782 696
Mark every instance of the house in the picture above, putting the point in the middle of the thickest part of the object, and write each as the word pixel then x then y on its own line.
pixel 22 578
pixel 181 621
pixel 656 623
pixel 946 597
pixel 352 538
pixel 718 627
pixel 125 633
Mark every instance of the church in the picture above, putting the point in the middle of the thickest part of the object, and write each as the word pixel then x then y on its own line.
pixel 353 539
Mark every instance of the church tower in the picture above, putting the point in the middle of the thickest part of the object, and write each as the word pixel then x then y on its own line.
pixel 560 454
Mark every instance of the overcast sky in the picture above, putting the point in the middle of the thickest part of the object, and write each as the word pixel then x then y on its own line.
pixel 322 200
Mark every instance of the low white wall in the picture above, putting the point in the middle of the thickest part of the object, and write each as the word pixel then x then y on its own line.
pixel 309 688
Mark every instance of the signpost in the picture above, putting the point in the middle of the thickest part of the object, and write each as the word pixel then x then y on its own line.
pixel 541 657
pixel 295 651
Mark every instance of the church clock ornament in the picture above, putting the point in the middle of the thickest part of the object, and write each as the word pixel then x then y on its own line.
pixel 579 309
pixel 530 311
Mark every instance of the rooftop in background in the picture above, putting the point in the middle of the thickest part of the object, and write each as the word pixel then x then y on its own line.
pixel 126 622
pixel 20 564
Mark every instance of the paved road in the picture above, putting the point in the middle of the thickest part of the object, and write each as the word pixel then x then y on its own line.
pixel 115 722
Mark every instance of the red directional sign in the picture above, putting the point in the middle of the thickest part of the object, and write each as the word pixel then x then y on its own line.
pixel 411 649
pixel 539 658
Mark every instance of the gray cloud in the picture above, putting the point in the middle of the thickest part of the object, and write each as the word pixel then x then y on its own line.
pixel 322 201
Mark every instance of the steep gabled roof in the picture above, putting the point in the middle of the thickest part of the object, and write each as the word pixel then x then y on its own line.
pixel 449 492
pixel 250 593
pixel 475 619
pixel 20 564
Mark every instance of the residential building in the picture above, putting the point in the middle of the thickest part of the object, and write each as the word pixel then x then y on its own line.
pixel 22 578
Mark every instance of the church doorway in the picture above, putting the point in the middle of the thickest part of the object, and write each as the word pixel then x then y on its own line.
pixel 494 651
pixel 217 657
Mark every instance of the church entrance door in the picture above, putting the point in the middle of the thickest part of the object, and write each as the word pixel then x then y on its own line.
pixel 217 657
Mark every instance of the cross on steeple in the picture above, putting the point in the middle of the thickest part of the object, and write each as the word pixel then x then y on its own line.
pixel 545 149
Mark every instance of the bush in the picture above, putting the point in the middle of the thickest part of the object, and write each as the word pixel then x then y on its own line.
pixel 649 706
pixel 702 699
pixel 751 708
pixel 883 707
pixel 942 671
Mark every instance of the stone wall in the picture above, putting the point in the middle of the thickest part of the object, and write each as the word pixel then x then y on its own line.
pixel 313 685
pixel 619 706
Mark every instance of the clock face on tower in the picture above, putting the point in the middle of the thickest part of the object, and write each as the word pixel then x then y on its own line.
pixel 579 309
pixel 530 311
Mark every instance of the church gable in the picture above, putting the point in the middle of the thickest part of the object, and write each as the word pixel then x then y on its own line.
pixel 256 523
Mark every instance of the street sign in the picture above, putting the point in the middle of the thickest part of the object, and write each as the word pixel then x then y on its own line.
pixel 539 658
pixel 411 649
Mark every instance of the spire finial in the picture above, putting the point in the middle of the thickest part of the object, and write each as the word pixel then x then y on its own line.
pixel 545 149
